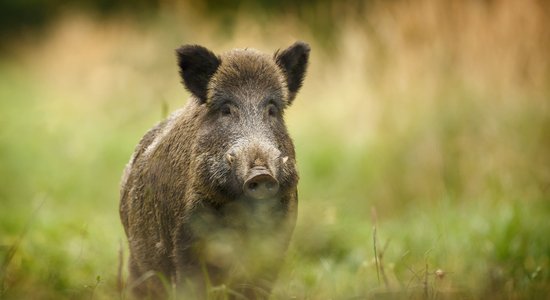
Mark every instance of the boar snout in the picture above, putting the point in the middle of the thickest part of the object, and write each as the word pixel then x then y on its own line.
pixel 260 184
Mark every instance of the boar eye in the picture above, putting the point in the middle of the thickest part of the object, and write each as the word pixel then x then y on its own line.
pixel 225 110
pixel 272 110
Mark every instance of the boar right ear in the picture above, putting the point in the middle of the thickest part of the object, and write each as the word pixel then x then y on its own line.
pixel 293 61
pixel 197 65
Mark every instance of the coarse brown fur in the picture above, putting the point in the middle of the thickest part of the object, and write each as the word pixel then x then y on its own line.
pixel 183 202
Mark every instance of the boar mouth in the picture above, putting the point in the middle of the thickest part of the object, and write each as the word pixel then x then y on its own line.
pixel 260 184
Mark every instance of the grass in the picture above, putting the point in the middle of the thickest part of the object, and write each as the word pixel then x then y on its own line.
pixel 435 136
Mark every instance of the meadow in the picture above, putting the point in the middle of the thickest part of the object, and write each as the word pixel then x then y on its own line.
pixel 422 135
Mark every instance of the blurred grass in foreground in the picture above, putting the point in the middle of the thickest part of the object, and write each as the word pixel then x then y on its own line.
pixel 430 121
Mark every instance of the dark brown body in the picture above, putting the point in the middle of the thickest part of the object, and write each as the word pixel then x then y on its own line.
pixel 209 197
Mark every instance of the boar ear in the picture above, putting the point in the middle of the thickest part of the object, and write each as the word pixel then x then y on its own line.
pixel 197 65
pixel 293 61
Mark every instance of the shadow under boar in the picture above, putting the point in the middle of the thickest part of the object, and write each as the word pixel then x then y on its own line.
pixel 209 197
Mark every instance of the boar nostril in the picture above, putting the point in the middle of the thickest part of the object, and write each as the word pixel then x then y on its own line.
pixel 252 185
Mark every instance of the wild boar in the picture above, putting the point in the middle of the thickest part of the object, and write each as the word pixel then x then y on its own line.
pixel 209 197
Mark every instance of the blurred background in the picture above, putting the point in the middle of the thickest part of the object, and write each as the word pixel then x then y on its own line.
pixel 422 133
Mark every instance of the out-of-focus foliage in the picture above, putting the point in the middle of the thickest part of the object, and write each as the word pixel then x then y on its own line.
pixel 31 16
pixel 323 16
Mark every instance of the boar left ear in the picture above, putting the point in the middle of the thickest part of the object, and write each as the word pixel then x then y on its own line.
pixel 293 61
pixel 197 65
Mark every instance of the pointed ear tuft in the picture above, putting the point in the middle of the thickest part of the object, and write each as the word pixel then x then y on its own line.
pixel 197 65
pixel 293 61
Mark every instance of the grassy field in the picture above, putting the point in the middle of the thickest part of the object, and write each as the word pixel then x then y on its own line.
pixel 422 134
